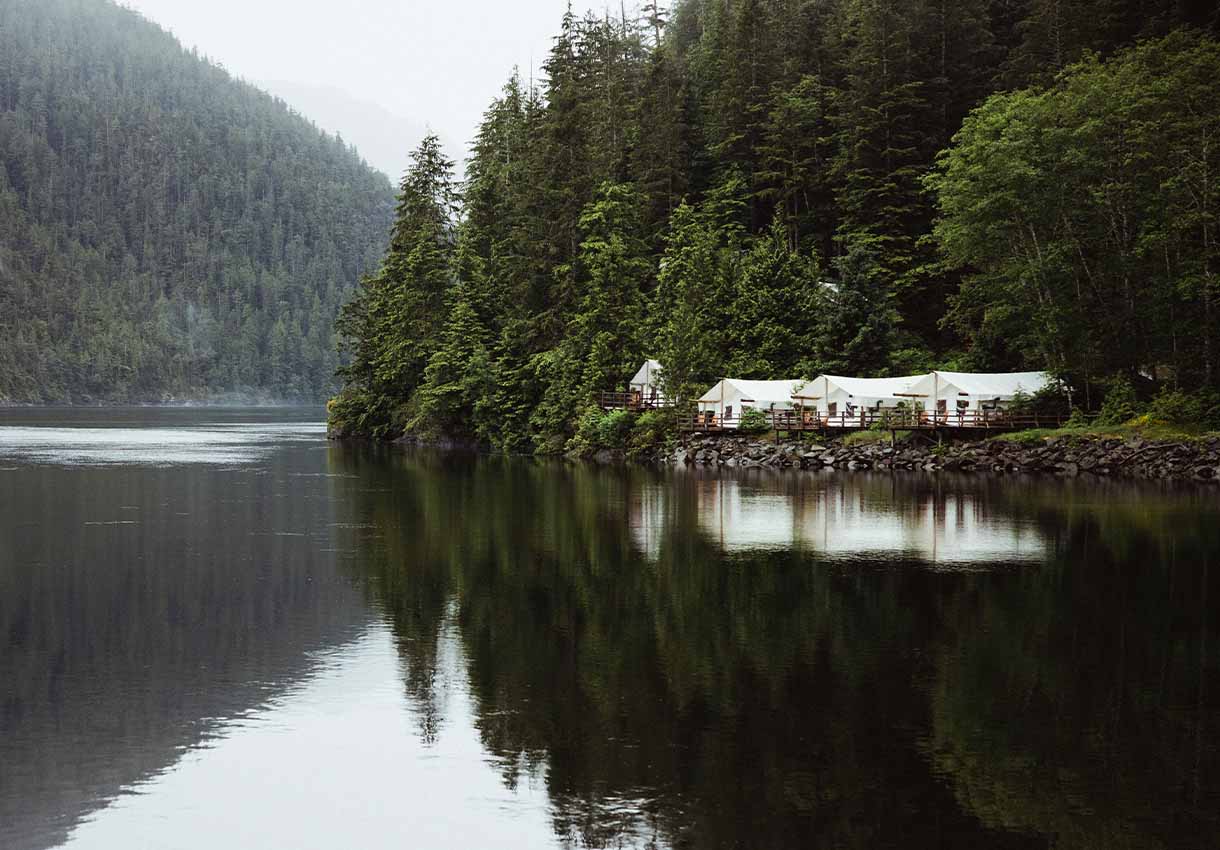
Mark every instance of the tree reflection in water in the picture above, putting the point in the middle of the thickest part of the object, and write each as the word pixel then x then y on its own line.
pixel 805 660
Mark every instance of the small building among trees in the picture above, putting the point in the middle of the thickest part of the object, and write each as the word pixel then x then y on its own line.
pixel 647 383
pixel 724 403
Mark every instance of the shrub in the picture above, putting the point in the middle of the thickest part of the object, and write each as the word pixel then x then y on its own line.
pixel 588 431
pixel 613 429
pixel 652 430
pixel 1174 407
pixel 753 421
pixel 1120 403
pixel 1077 419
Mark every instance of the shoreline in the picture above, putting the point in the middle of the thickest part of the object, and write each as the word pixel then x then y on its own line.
pixel 1069 456
pixel 1064 456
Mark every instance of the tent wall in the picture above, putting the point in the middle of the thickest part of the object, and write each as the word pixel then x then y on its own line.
pixel 646 382
pixel 728 398
pixel 850 395
pixel 974 392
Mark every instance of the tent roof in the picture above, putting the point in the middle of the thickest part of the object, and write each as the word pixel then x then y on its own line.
pixel 869 387
pixel 996 384
pixel 759 391
pixel 647 373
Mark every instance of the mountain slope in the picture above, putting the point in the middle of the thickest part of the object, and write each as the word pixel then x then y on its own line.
pixel 165 229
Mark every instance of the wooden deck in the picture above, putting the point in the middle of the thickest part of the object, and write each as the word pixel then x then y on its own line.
pixel 631 400
pixel 887 420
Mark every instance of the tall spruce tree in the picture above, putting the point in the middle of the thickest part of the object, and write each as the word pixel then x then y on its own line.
pixel 393 323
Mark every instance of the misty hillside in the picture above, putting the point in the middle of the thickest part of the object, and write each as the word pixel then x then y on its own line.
pixel 165 230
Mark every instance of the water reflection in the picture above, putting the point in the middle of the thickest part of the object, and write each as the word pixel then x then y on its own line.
pixel 339 646
pixel 143 608
pixel 701 662
pixel 331 762
pixel 943 522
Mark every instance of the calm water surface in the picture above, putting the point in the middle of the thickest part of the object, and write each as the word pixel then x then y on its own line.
pixel 217 630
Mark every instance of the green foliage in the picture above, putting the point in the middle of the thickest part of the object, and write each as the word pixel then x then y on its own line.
pixel 654 430
pixel 452 401
pixel 692 301
pixel 1077 419
pixel 614 428
pixel 1021 403
pixel 1120 403
pixel 857 325
pixel 395 328
pixel 1175 407
pixel 872 436
pixel 1084 215
pixel 597 429
pixel 753 421
pixel 774 308
pixel 166 231
pixel 753 188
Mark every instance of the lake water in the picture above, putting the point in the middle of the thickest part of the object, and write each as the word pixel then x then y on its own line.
pixel 218 630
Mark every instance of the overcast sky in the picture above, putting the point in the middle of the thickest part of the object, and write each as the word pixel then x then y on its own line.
pixel 377 71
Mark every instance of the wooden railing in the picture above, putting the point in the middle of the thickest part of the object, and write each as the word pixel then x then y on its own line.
pixel 886 419
pixel 631 400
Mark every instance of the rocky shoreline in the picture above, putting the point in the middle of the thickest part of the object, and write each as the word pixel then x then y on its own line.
pixel 1065 456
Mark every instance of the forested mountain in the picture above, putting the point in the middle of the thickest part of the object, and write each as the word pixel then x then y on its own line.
pixel 165 229
pixel 766 188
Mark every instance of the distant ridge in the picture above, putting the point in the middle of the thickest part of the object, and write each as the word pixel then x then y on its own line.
pixel 166 231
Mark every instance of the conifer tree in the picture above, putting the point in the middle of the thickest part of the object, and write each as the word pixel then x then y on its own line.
pixel 690 304
pixel 776 309
pixel 454 397
pixel 857 319
pixel 392 325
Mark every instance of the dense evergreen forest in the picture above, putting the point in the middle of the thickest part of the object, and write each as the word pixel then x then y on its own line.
pixel 165 229
pixel 768 188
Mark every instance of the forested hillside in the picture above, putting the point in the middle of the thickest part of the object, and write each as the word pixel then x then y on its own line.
pixel 165 229
pixel 769 188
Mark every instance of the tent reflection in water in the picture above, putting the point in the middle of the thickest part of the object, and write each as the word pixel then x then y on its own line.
pixel 723 404
pixel 854 519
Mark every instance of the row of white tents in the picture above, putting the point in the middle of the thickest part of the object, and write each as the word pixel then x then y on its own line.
pixel 946 393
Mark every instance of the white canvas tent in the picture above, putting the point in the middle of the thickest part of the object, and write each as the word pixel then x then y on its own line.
pixel 730 396
pixel 952 392
pixel 837 395
pixel 647 382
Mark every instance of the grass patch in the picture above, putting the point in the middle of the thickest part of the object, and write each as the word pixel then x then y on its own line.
pixel 868 438
pixel 1140 427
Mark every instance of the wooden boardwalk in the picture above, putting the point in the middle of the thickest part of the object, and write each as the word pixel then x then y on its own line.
pixel 804 419
pixel 883 420
pixel 633 400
